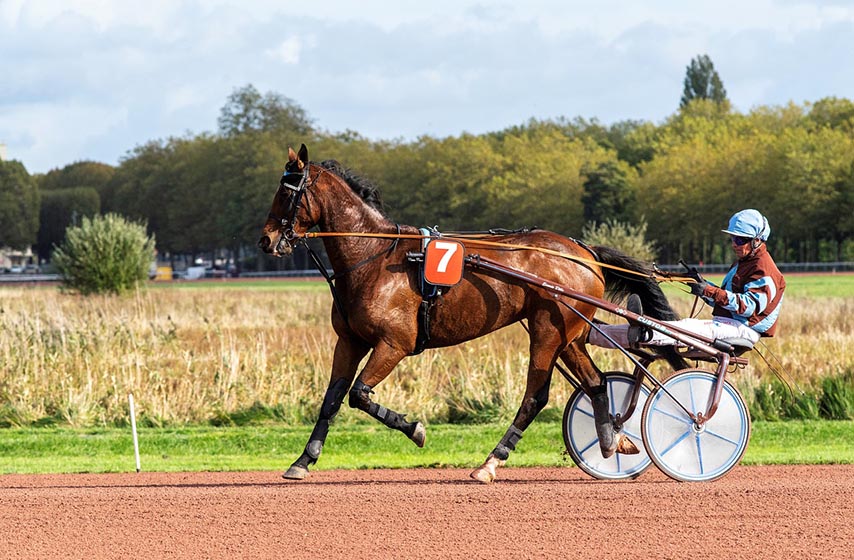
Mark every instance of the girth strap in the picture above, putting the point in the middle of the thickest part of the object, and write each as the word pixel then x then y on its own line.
pixel 429 293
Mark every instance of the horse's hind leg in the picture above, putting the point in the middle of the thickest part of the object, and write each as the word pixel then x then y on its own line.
pixel 382 361
pixel 535 399
pixel 347 357
pixel 611 440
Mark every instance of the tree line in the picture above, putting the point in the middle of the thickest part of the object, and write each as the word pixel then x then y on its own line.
pixel 681 179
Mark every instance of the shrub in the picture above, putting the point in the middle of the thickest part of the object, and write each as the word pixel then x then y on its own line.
pixel 105 254
pixel 471 410
pixel 837 399
pixel 627 238
pixel 832 398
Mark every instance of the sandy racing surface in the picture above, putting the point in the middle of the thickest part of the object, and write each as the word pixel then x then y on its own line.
pixel 753 512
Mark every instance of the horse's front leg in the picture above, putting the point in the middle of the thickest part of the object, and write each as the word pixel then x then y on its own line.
pixel 611 437
pixel 383 359
pixel 347 356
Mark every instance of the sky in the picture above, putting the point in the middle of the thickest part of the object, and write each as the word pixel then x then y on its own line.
pixel 92 79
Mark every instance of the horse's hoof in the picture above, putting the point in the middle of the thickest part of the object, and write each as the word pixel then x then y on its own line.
pixel 486 472
pixel 295 473
pixel 481 474
pixel 419 436
pixel 607 452
pixel 627 446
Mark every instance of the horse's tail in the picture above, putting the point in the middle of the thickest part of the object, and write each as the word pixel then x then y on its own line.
pixel 619 284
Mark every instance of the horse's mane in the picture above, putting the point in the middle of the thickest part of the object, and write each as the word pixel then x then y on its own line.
pixel 366 190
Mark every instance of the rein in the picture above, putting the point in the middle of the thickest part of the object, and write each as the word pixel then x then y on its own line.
pixel 476 241
pixel 291 238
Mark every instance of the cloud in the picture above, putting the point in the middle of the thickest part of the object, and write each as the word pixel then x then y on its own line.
pixel 36 131
pixel 287 51
pixel 123 73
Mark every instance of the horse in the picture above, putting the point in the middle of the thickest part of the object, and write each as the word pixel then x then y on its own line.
pixel 377 300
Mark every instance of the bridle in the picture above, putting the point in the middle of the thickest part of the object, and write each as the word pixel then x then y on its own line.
pixel 288 236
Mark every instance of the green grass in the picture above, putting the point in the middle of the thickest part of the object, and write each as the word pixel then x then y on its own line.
pixel 797 285
pixel 358 446
pixel 805 285
pixel 820 285
pixel 801 285
pixel 801 442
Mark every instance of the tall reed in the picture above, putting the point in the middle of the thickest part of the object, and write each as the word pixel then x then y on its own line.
pixel 224 355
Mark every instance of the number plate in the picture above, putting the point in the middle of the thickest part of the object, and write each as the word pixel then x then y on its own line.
pixel 443 262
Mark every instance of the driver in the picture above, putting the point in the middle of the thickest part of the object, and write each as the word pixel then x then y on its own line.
pixel 746 305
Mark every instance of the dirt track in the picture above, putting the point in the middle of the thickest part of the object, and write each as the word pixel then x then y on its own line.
pixel 754 512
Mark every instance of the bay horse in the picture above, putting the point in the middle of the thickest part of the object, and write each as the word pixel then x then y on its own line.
pixel 377 300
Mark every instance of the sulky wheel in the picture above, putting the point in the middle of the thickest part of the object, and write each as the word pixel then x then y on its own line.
pixel 579 430
pixel 684 450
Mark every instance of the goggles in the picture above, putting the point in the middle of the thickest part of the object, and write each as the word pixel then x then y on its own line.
pixel 739 241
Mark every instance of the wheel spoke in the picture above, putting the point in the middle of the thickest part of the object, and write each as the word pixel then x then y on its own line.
pixel 691 395
pixel 675 443
pixel 722 437
pixel 674 416
pixel 584 412
pixel 631 434
pixel 584 449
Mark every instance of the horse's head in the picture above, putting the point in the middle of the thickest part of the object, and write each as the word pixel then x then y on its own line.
pixel 290 215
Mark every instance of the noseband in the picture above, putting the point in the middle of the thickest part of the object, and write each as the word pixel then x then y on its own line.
pixel 288 236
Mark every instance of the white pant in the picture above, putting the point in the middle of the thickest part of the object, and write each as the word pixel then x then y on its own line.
pixel 715 328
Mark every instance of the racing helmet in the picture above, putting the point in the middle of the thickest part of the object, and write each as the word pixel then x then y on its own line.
pixel 749 223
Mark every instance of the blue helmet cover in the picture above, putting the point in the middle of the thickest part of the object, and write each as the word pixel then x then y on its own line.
pixel 749 223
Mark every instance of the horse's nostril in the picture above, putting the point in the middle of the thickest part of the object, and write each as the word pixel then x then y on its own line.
pixel 264 243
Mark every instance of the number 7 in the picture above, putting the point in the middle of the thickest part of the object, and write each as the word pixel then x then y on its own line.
pixel 450 249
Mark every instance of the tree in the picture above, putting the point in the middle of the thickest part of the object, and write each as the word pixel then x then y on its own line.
pixel 844 215
pixel 608 194
pixel 248 111
pixel 60 209
pixel 833 112
pixel 140 187
pixel 79 174
pixel 633 140
pixel 702 82
pixel 19 206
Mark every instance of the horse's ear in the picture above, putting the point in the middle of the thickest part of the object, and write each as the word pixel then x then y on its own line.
pixel 292 155
pixel 303 155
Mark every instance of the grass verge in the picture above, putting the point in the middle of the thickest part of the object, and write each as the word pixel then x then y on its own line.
pixel 358 446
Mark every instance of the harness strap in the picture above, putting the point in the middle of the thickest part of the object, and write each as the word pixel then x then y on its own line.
pixel 329 280
pixel 363 262
pixel 429 292
pixel 500 245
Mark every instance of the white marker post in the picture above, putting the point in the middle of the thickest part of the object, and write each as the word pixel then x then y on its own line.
pixel 133 429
